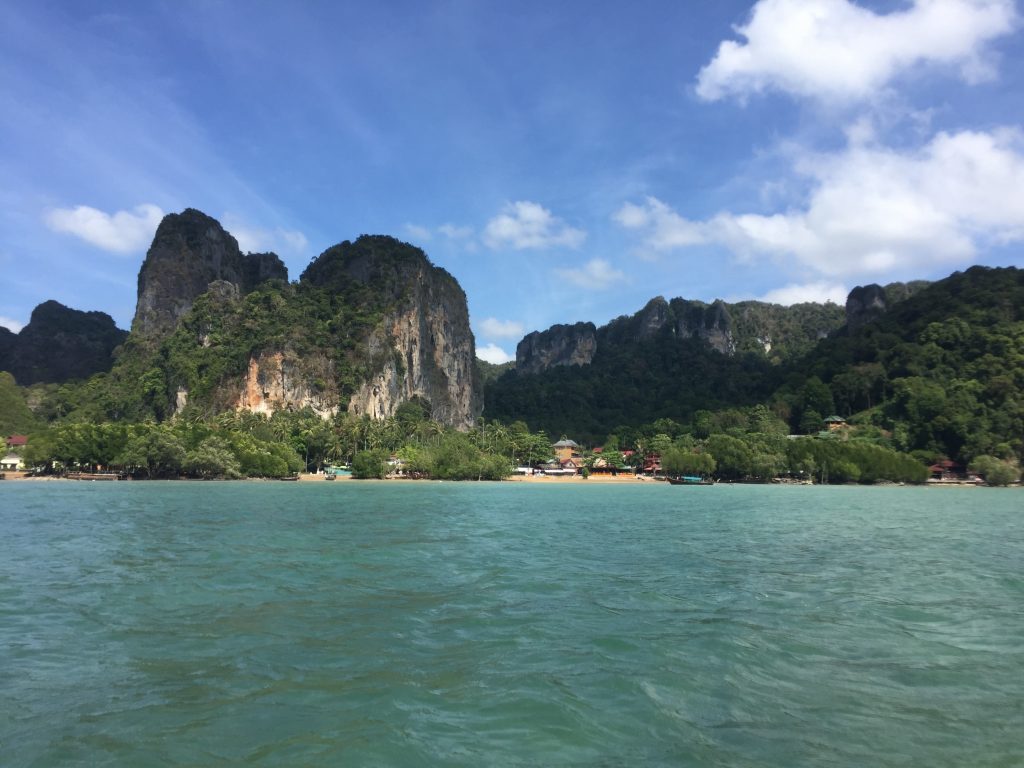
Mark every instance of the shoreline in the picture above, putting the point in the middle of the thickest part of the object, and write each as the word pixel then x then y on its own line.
pixel 622 479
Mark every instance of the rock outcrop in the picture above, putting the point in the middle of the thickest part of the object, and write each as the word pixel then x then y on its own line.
pixel 558 345
pixel 423 347
pixel 60 344
pixel 191 250
pixel 868 302
pixel 283 380
pixel 711 323
pixel 864 304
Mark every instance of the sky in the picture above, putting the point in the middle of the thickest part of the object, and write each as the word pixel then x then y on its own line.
pixel 564 161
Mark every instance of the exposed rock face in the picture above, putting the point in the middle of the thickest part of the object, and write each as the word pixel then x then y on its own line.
pixel 558 345
pixel 864 304
pixel 711 323
pixel 191 250
pixel 867 302
pixel 279 380
pixel 424 346
pixel 60 344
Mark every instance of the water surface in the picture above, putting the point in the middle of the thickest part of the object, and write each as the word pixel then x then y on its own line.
pixel 509 624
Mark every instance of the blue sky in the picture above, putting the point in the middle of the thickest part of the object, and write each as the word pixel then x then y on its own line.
pixel 565 161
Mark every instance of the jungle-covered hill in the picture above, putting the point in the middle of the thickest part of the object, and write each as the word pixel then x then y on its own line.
pixel 938 368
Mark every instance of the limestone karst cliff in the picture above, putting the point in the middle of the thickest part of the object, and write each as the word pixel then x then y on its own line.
pixel 423 346
pixel 866 303
pixel 371 324
pixel 59 344
pixel 191 250
pixel 558 345
pixel 770 330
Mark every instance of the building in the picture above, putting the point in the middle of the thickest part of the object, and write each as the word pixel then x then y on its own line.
pixel 16 442
pixel 12 462
pixel 566 449
pixel 835 423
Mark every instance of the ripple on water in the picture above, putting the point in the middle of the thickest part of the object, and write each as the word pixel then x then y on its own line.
pixel 445 624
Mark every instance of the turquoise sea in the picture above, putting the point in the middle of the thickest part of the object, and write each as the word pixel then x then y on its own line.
pixel 421 624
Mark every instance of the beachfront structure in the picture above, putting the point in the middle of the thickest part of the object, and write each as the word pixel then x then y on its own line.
pixel 12 462
pixel 566 449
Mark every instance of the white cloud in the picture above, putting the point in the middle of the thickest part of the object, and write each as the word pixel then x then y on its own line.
pixel 820 292
pixel 875 211
pixel 665 228
pixel 492 353
pixel 595 275
pixel 10 324
pixel 524 225
pixel 453 232
pixel 121 232
pixel 417 232
pixel 836 50
pixel 501 329
pixel 290 242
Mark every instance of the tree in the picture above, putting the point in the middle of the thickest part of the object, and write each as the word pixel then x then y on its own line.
pixel 678 462
pixel 154 450
pixel 370 465
pixel 212 458
pixel 995 471
pixel 732 455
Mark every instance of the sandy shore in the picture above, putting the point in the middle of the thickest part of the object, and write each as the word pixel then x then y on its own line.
pixel 622 479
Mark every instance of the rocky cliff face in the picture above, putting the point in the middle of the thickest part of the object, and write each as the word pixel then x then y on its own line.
pixel 711 323
pixel 60 344
pixel 868 302
pixel 558 345
pixel 423 347
pixel 191 250
pixel 284 380
pixel 864 304
pixel 768 330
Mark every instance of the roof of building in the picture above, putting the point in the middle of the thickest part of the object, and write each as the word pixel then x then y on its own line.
pixel 564 443
pixel 835 420
pixel 17 440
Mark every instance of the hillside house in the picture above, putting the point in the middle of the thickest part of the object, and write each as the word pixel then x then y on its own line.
pixel 16 442
pixel 835 424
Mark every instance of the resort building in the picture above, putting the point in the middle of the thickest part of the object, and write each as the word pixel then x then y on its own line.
pixel 12 462
pixel 566 449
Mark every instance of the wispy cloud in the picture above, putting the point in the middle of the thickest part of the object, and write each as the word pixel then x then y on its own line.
pixel 836 50
pixel 595 275
pixel 501 329
pixel 454 232
pixel 492 353
pixel 124 232
pixel 416 232
pixel 524 225
pixel 290 242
